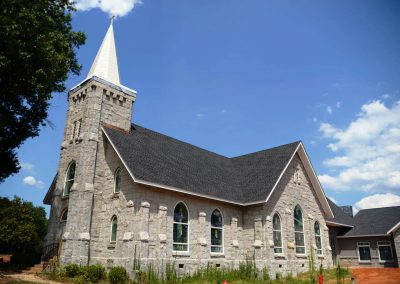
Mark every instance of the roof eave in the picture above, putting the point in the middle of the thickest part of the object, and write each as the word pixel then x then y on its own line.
pixel 363 236
pixel 336 224
pixel 395 228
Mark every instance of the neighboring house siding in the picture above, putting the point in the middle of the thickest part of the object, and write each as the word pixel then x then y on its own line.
pixel 396 242
pixel 348 254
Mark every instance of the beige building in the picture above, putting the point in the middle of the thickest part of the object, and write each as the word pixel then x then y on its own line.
pixel 123 192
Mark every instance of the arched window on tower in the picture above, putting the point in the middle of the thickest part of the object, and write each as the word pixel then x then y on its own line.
pixel 114 228
pixel 318 239
pixel 117 181
pixel 217 236
pixel 299 230
pixel 277 233
pixel 181 228
pixel 63 222
pixel 69 178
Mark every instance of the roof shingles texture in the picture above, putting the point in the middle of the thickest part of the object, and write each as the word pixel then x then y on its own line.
pixel 374 221
pixel 340 216
pixel 157 158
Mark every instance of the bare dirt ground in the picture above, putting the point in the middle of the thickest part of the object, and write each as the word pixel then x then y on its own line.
pixel 22 277
pixel 376 275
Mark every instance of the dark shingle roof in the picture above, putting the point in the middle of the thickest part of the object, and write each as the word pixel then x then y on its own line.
pixel 374 221
pixel 157 158
pixel 340 216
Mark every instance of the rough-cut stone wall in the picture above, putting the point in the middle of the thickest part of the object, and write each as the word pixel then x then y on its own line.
pixel 145 223
pixel 92 104
pixel 294 189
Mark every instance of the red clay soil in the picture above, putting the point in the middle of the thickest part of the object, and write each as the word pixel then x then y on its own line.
pixel 376 275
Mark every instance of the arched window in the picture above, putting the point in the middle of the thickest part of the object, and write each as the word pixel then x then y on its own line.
pixel 181 228
pixel 114 228
pixel 299 231
pixel 117 181
pixel 69 179
pixel 318 241
pixel 217 232
pixel 63 221
pixel 277 233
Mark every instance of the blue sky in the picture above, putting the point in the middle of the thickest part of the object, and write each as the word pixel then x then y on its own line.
pixel 236 77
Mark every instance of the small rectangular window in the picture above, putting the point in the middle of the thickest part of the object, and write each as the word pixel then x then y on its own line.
pixel 364 252
pixel 385 252
pixel 78 128
pixel 73 131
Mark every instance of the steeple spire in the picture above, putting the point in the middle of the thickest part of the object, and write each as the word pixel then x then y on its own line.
pixel 105 64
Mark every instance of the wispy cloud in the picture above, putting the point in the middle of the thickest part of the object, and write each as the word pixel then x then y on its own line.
pixel 28 167
pixel 376 201
pixel 338 104
pixel 30 180
pixel 337 85
pixel 368 150
pixel 200 116
pixel 118 8
pixel 329 109
pixel 223 111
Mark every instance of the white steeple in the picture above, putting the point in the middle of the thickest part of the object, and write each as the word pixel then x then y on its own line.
pixel 105 65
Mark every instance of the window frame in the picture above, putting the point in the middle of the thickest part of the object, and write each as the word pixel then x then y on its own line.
pixel 117 173
pixel 68 180
pixel 299 232
pixel 222 246
pixel 114 217
pixel 320 238
pixel 188 230
pixel 280 231
pixel 63 223
pixel 388 244
pixel 364 244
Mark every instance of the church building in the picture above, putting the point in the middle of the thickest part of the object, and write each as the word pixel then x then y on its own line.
pixel 123 192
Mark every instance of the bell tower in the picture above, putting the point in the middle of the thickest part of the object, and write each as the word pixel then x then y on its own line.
pixel 99 99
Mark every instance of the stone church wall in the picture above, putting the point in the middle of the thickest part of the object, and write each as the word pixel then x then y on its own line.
pixel 145 224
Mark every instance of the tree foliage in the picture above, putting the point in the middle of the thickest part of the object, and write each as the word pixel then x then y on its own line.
pixel 23 227
pixel 37 51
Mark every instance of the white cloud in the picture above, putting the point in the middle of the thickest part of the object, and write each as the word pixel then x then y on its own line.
pixel 386 96
pixel 337 85
pixel 315 119
pixel 200 116
pixel 30 180
pixel 376 201
pixel 223 111
pixel 338 104
pixel 329 110
pixel 118 8
pixel 368 150
pixel 28 167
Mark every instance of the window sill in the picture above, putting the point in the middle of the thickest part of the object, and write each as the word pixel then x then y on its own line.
pixel 365 261
pixel 279 256
pixel 64 197
pixel 217 254
pixel 115 195
pixel 180 253
pixel 320 256
pixel 301 255
pixel 111 245
pixel 386 261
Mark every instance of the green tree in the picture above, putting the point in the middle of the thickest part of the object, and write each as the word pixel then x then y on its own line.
pixel 23 227
pixel 37 51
